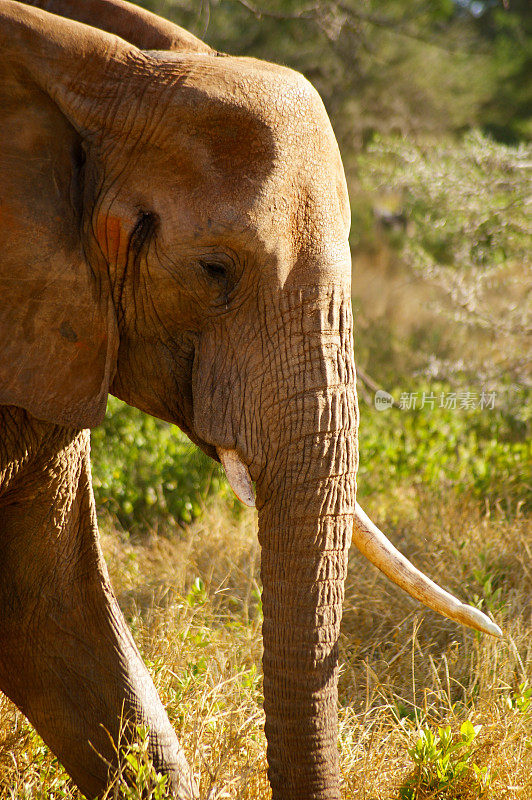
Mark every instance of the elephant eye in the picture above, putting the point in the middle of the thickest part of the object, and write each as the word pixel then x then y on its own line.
pixel 215 269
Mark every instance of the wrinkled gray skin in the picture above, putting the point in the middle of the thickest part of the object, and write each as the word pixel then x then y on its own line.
pixel 173 229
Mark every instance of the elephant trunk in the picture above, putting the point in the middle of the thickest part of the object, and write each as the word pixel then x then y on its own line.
pixel 306 501
pixel 304 564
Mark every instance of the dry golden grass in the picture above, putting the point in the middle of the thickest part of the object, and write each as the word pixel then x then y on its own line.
pixel 193 604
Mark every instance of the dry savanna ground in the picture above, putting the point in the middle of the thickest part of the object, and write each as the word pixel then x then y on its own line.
pixel 413 686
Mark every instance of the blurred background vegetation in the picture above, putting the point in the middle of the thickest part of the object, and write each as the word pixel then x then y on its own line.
pixel 431 101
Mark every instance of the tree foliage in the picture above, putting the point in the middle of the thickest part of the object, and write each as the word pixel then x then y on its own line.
pixel 465 209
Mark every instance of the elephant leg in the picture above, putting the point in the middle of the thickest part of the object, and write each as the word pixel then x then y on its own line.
pixel 67 658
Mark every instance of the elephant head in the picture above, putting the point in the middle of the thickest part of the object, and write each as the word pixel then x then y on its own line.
pixel 176 233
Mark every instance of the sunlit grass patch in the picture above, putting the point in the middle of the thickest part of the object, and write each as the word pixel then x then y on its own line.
pixel 192 599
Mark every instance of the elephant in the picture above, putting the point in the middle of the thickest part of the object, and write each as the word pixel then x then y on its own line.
pixel 174 231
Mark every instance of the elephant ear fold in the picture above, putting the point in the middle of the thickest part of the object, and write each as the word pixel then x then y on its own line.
pixel 58 339
pixel 58 333
pixel 129 21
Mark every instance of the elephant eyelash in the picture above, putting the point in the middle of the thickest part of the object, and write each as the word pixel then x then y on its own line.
pixel 77 158
pixel 143 230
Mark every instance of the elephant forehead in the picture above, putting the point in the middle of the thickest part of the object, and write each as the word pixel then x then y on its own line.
pixel 248 117
pixel 282 124
pixel 268 91
pixel 231 148
pixel 245 146
pixel 304 216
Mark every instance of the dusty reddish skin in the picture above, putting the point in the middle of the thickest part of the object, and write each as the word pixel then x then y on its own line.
pixel 132 23
pixel 177 235
pixel 112 238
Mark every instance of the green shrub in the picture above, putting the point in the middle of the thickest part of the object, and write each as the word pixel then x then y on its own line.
pixel 149 475
pixel 146 472
pixel 441 761
pixel 486 452
pixel 137 778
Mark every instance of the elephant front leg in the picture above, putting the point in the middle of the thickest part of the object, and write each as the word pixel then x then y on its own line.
pixel 67 658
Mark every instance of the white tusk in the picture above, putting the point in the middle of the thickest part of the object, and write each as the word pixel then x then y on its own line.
pixel 373 544
pixel 381 552
pixel 238 476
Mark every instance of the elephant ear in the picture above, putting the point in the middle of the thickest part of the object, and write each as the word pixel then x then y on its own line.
pixel 58 333
pixel 131 22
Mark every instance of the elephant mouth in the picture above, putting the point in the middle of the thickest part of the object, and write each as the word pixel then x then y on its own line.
pixel 206 447
pixel 209 449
